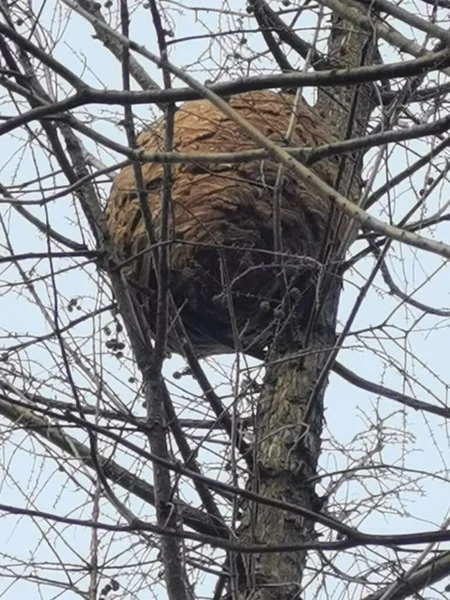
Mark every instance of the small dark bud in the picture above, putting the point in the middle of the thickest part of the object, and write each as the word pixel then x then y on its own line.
pixel 72 304
pixel 183 373
pixel 114 344
pixel 114 585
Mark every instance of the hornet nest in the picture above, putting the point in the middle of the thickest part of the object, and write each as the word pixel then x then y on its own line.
pixel 227 284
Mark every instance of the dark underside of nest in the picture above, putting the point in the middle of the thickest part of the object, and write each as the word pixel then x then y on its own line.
pixel 229 287
pixel 236 294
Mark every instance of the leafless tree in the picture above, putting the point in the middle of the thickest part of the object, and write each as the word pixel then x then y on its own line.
pixel 208 213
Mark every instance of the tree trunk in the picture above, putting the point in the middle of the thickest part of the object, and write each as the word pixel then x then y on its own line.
pixel 290 413
pixel 287 439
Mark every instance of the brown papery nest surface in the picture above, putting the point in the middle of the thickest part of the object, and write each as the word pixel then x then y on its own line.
pixel 225 279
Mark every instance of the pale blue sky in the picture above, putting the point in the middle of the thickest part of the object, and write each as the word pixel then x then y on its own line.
pixel 424 445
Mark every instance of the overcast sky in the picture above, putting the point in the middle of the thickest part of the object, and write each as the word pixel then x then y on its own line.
pixel 410 439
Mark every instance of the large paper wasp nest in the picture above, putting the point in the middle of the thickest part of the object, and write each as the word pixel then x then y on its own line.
pixel 221 221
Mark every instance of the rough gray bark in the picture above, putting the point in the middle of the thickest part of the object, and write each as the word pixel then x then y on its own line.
pixel 290 414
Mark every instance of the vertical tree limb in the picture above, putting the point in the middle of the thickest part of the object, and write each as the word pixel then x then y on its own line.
pixel 288 426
